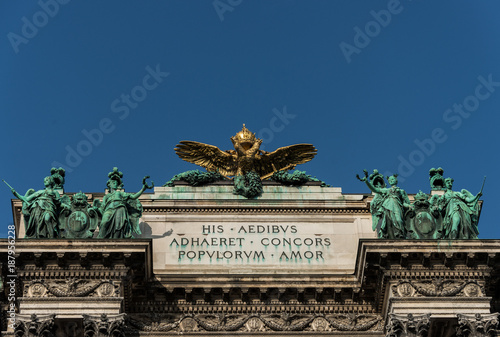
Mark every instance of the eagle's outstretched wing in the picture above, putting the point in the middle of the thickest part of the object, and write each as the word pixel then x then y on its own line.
pixel 284 158
pixel 208 156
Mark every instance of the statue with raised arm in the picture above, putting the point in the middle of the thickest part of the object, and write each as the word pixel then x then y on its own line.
pixel 120 211
pixel 460 212
pixel 377 180
pixel 389 206
pixel 41 210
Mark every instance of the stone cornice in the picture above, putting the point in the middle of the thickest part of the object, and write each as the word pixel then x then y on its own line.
pixel 80 245
pixel 70 299
pixel 249 308
pixel 426 260
pixel 92 257
pixel 409 256
pixel 254 210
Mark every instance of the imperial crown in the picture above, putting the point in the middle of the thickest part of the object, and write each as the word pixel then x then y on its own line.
pixel 80 199
pixel 245 136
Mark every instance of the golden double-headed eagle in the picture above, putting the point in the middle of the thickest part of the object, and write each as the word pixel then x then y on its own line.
pixel 246 156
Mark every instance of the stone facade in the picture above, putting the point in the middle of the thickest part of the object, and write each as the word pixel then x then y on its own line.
pixel 297 261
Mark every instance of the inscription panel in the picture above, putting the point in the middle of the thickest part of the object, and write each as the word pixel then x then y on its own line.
pixel 208 230
pixel 246 246
pixel 251 244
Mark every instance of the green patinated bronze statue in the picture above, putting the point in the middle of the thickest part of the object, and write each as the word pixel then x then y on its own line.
pixel 120 211
pixel 41 210
pixel 389 208
pixel 377 180
pixel 49 215
pixel 460 212
pixel 449 215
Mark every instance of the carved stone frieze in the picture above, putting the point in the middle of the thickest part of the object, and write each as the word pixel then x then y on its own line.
pixel 71 288
pixel 353 322
pixel 188 324
pixel 473 290
pixel 408 325
pixel 477 325
pixel 437 288
pixel 254 322
pixel 320 324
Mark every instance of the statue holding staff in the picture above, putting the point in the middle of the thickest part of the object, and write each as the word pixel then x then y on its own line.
pixel 41 210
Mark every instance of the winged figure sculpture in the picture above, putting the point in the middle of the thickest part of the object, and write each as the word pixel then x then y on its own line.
pixel 246 156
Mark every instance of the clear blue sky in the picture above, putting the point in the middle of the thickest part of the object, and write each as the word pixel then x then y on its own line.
pixel 398 86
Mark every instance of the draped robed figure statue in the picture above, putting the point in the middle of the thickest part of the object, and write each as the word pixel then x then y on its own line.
pixel 41 210
pixel 460 212
pixel 388 206
pixel 120 211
